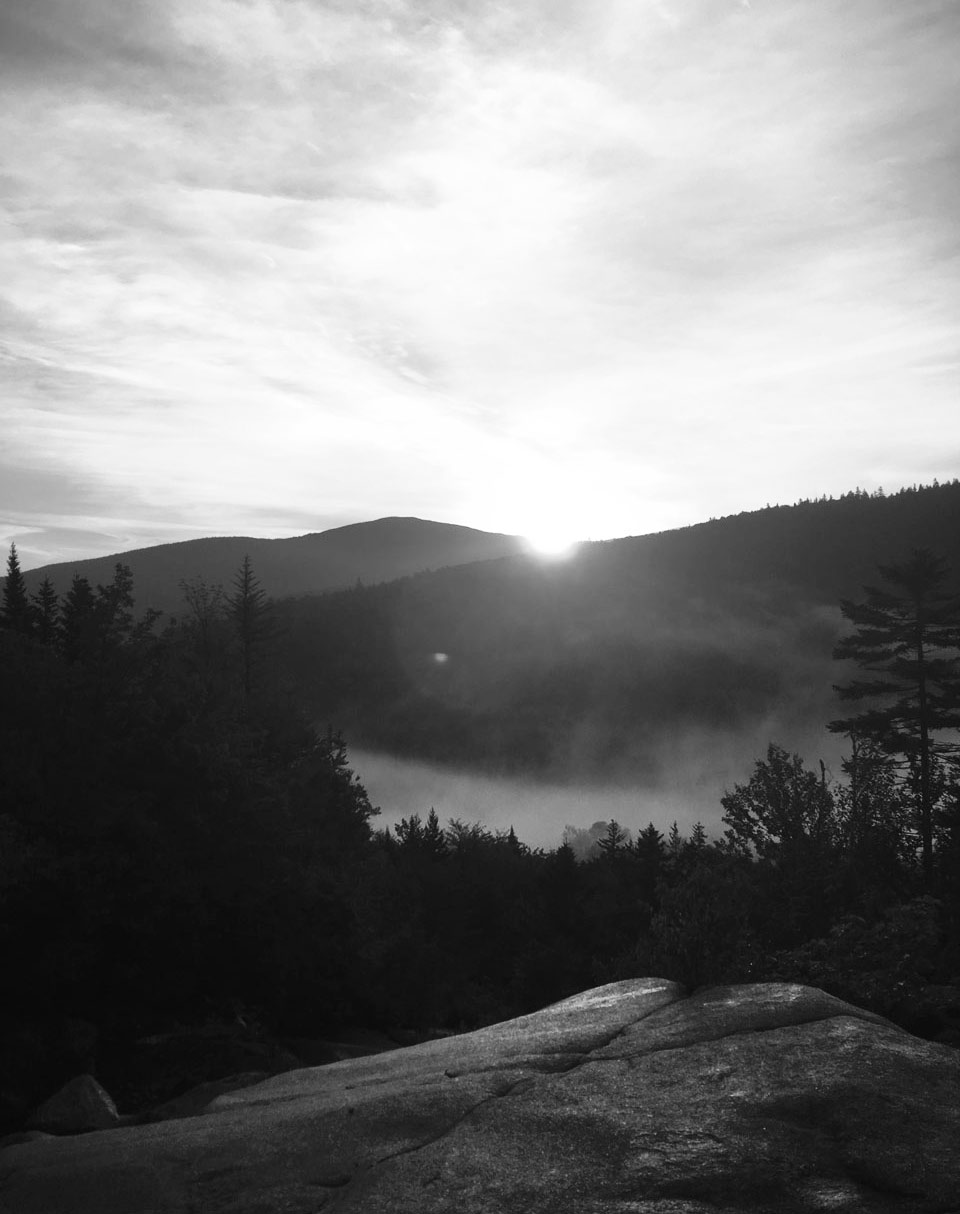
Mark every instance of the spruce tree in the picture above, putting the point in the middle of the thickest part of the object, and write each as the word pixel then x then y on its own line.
pixel 434 840
pixel 248 608
pixel 15 612
pixel 46 607
pixel 908 638
pixel 77 625
pixel 115 607
pixel 650 852
pixel 698 837
pixel 614 840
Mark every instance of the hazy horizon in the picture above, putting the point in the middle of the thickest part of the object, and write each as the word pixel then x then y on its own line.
pixel 28 563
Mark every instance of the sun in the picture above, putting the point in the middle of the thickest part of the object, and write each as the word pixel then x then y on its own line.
pixel 551 543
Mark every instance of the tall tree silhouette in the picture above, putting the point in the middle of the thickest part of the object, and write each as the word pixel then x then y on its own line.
pixel 248 607
pixel 614 840
pixel 908 637
pixel 15 611
pixel 46 606
pixel 77 628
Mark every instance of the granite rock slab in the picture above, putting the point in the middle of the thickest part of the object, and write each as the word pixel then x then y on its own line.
pixel 633 1098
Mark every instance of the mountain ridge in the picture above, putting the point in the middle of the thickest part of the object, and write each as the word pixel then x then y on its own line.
pixel 312 563
pixel 403 545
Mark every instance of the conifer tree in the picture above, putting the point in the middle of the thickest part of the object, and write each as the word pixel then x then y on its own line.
pixel 908 638
pixel 76 625
pixel 650 845
pixel 114 607
pixel 248 607
pixel 698 837
pixel 650 852
pixel 15 611
pixel 46 607
pixel 614 840
pixel 434 839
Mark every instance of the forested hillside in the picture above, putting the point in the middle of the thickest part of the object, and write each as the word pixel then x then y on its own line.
pixel 598 666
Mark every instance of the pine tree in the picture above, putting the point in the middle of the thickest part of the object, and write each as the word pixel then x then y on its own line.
pixel 114 607
pixel 15 612
pixel 614 840
pixel 698 837
pixel 248 607
pixel 410 831
pixel 650 852
pixel 434 840
pixel 908 638
pixel 46 607
pixel 77 626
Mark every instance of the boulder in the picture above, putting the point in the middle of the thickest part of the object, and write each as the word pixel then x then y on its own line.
pixel 633 1098
pixel 79 1106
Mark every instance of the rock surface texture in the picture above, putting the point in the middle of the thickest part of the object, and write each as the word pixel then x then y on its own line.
pixel 629 1099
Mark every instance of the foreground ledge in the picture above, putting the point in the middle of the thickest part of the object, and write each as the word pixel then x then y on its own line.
pixel 633 1097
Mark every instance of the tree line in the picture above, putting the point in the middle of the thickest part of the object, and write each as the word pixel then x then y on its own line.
pixel 178 841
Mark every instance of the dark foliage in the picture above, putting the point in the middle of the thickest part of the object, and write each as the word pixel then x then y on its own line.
pixel 908 639
pixel 15 610
pixel 181 852
pixel 172 845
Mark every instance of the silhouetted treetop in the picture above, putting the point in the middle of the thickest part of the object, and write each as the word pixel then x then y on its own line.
pixel 907 635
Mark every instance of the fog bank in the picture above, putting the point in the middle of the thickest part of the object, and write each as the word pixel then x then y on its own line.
pixel 694 772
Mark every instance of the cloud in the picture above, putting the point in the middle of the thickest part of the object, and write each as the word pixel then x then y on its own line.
pixel 627 261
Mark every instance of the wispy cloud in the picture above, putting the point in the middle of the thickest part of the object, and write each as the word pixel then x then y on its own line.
pixel 623 265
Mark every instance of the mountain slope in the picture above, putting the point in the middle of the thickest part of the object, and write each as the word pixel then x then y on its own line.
pixel 634 658
pixel 308 564
pixel 637 660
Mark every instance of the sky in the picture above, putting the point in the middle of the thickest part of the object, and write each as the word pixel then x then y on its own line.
pixel 564 268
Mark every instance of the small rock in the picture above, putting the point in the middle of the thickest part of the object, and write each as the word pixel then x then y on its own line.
pixel 80 1105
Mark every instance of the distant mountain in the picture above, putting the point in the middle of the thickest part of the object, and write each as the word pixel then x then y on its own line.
pixel 308 564
pixel 635 658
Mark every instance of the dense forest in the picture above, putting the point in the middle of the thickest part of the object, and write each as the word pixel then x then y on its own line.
pixel 179 846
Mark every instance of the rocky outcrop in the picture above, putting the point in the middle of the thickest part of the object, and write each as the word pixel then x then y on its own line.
pixel 78 1107
pixel 629 1098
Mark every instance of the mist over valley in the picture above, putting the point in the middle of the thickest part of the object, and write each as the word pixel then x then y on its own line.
pixel 693 772
pixel 637 679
